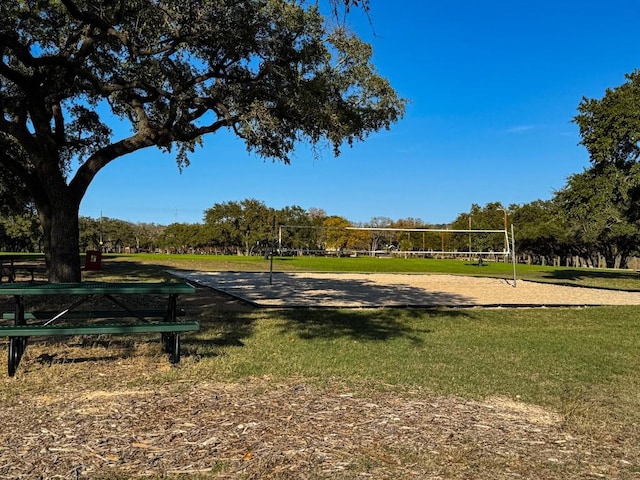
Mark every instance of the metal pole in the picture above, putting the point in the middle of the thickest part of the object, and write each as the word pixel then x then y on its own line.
pixel 469 237
pixel 513 256
pixel 271 245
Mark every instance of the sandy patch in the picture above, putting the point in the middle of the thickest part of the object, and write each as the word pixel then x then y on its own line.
pixel 282 289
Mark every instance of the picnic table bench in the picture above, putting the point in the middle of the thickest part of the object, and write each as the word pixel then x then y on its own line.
pixel 10 265
pixel 75 321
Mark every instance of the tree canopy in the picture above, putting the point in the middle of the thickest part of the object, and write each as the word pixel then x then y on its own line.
pixel 171 71
pixel 610 126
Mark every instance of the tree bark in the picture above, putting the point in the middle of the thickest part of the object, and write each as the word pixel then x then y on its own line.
pixel 61 232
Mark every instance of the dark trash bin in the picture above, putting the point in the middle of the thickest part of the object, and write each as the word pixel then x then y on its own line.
pixel 93 260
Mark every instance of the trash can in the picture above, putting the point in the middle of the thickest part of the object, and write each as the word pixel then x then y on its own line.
pixel 93 260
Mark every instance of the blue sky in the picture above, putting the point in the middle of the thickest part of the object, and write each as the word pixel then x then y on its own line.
pixel 493 86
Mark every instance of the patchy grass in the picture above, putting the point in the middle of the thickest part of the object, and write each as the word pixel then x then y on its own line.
pixel 551 357
pixel 579 364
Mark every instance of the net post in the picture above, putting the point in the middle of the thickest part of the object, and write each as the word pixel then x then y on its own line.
pixel 271 249
pixel 513 256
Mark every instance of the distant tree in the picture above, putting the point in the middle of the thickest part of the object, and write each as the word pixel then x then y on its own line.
pixel 146 236
pixel 117 234
pixel 20 233
pixel 172 71
pixel 19 229
pixel 610 131
pixel 335 234
pixel 89 233
pixel 408 241
pixel 610 126
pixel 380 238
pixel 542 231
pixel 245 226
pixel 463 221
pixel 221 223
pixel 316 216
pixel 594 203
pixel 181 237
pixel 297 230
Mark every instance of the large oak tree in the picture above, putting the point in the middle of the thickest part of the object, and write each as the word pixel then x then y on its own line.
pixel 172 71
pixel 610 131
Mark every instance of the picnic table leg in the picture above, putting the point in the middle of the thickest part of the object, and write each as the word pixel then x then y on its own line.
pixel 174 348
pixel 172 307
pixel 17 345
pixel 12 361
pixel 16 349
pixel 12 273
pixel 18 317
pixel 171 341
pixel 171 345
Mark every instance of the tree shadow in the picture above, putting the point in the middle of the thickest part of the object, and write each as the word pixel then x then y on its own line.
pixel 316 307
pixel 577 275
pixel 377 325
pixel 228 330
pixel 282 289
pixel 128 269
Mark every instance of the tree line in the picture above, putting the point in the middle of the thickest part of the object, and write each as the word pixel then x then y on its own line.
pixel 586 223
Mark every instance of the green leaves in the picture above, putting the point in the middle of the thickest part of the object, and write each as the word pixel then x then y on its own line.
pixel 610 127
pixel 178 70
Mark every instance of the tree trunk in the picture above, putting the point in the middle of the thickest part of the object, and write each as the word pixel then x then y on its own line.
pixel 61 240
pixel 609 261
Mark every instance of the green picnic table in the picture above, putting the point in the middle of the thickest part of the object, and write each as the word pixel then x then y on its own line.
pixel 72 320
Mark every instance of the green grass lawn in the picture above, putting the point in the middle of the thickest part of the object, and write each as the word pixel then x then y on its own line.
pixel 580 362
pixel 553 357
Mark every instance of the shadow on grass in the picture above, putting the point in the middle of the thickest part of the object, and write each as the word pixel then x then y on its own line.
pixel 228 330
pixel 579 274
pixel 378 325
pixel 484 263
pixel 368 325
pixel 122 269
pixel 55 359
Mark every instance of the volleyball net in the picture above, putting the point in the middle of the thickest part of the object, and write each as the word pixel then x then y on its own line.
pixel 381 241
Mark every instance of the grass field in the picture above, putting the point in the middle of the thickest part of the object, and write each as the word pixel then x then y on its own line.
pixel 582 364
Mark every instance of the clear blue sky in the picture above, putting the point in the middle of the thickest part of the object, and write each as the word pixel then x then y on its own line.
pixel 493 87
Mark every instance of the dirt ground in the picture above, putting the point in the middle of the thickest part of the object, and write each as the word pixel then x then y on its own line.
pixel 259 429
pixel 393 290
pixel 264 429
